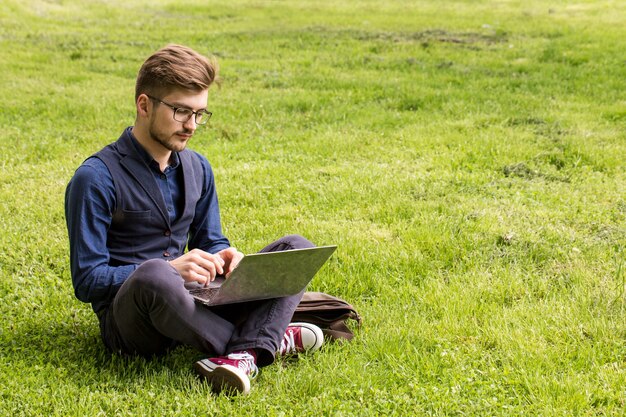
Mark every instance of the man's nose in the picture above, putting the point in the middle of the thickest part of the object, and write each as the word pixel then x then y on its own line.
pixel 191 123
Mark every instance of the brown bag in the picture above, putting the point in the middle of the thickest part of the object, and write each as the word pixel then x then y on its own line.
pixel 328 312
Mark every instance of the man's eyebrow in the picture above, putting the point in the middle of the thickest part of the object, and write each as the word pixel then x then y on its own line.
pixel 183 106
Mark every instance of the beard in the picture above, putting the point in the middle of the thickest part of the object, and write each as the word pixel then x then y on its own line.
pixel 169 142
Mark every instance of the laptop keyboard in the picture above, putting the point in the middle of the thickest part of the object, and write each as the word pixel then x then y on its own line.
pixel 204 293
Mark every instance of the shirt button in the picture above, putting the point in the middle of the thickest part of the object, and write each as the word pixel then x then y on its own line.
pixel 163 176
pixel 167 233
pixel 166 254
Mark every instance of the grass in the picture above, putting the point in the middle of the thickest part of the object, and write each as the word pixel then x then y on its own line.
pixel 466 156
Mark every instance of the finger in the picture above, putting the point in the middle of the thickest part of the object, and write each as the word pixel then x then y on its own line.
pixel 229 255
pixel 220 264
pixel 205 274
pixel 215 258
pixel 195 277
pixel 217 262
pixel 237 257
pixel 211 263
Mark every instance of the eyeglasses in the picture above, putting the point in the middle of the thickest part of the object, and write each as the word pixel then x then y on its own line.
pixel 182 114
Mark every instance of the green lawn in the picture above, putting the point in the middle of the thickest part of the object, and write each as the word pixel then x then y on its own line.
pixel 468 157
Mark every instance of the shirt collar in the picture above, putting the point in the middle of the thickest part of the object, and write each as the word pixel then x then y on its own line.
pixel 147 158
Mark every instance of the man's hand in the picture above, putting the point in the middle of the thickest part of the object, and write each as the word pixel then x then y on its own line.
pixel 231 257
pixel 199 266
pixel 202 267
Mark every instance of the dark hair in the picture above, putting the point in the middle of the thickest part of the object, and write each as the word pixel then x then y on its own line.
pixel 175 66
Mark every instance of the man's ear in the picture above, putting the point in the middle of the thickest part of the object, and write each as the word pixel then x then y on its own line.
pixel 142 105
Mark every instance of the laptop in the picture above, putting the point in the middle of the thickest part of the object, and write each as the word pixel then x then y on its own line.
pixel 264 275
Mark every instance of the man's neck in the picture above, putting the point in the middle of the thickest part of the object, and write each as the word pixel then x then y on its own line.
pixel 158 152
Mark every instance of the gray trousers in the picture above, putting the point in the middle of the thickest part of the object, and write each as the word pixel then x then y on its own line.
pixel 153 312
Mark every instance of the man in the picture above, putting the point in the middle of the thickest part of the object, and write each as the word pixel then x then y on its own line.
pixel 133 208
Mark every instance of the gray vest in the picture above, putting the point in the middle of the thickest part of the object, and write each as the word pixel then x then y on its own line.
pixel 141 228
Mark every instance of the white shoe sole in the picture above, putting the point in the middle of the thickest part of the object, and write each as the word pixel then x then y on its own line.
pixel 318 335
pixel 223 377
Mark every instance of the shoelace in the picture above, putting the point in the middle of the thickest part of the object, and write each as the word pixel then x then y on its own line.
pixel 245 362
pixel 288 344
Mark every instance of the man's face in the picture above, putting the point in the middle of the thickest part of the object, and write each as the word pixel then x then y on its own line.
pixel 169 133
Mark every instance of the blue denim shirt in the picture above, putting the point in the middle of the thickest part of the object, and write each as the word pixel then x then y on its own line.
pixel 89 204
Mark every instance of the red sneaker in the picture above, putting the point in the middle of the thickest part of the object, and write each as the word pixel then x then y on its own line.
pixel 228 373
pixel 301 337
